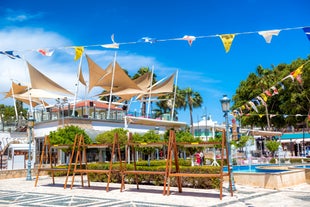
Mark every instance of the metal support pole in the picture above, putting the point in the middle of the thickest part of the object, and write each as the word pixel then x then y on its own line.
pixel 229 153
pixel 29 155
pixel 303 142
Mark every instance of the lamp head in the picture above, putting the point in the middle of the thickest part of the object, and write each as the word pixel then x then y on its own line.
pixel 225 102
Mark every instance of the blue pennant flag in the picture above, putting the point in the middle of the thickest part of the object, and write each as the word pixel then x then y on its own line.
pixel 307 32
pixel 9 54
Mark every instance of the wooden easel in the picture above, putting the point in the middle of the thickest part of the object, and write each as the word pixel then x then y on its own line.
pixel 136 172
pixel 178 174
pixel 81 154
pixel 47 146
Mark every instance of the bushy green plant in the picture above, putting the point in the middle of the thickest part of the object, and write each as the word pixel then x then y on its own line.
pixel 295 160
pixel 241 143
pixel 273 146
pixel 149 137
pixel 108 137
pixel 66 135
pixel 272 161
pixel 187 137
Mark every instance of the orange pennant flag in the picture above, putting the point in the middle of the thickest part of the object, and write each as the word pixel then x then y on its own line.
pixel 227 40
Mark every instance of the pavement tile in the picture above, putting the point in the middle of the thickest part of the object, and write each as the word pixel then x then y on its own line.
pixel 19 192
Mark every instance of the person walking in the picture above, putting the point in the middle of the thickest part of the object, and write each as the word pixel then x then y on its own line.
pixel 201 155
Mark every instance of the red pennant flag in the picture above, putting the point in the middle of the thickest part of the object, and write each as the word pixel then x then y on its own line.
pixel 267 92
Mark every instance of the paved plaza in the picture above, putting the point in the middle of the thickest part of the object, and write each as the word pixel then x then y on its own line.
pixel 19 192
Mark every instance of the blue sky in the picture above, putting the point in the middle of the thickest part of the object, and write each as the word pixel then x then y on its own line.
pixel 204 66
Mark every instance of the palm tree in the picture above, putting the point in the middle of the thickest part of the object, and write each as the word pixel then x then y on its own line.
pixel 192 100
pixel 141 72
pixel 165 106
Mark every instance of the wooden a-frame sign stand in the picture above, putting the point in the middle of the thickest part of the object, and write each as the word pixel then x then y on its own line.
pixel 81 156
pixel 174 150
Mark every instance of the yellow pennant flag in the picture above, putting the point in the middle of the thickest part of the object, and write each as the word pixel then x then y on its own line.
pixel 227 40
pixel 260 115
pixel 78 52
pixel 264 97
pixel 298 71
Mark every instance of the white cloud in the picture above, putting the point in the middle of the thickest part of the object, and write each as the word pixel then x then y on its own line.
pixel 19 15
pixel 60 67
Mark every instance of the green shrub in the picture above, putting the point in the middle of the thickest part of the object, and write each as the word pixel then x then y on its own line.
pixel 272 161
pixel 155 165
pixel 296 160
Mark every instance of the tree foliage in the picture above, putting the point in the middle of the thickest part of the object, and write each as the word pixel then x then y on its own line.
pixel 242 142
pixel 107 137
pixel 192 99
pixel 66 135
pixel 187 137
pixel 292 98
pixel 148 137
pixel 273 146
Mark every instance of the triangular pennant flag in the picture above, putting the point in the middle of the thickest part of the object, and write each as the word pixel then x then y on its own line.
pixel 264 97
pixel 253 106
pixel 299 79
pixel 298 71
pixel 307 32
pixel 46 52
pixel 10 54
pixel 261 100
pixel 285 115
pixel 247 107
pixel 78 52
pixel 255 101
pixel 190 39
pixel 260 115
pixel 227 40
pixel 282 85
pixel 147 39
pixel 275 90
pixel 114 45
pixel 268 34
pixel 112 38
pixel 267 92
pixel 272 115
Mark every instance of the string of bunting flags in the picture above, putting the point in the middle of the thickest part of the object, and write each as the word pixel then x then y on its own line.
pixel 273 90
pixel 227 40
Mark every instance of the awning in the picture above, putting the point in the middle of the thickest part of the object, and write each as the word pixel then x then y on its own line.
pixel 153 122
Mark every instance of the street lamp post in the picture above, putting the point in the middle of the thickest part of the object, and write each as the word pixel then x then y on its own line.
pixel 225 101
pixel 30 127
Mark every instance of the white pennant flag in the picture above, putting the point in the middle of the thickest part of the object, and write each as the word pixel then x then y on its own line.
pixel 190 39
pixel 46 52
pixel 114 45
pixel 268 34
